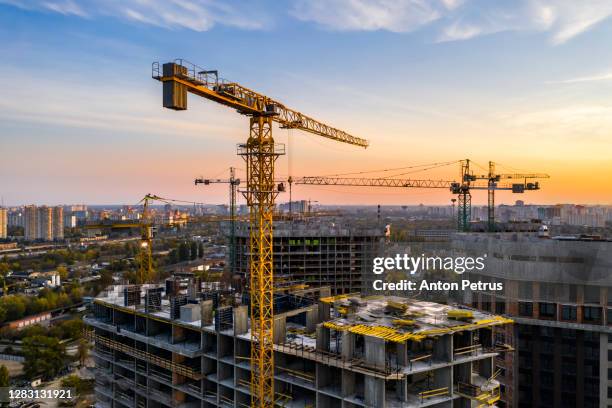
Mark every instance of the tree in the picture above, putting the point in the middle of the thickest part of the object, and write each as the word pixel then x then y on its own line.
pixel 83 351
pixel 15 306
pixel 63 272
pixel 80 385
pixel 200 250
pixel 183 252
pixel 4 376
pixel 44 356
pixel 193 250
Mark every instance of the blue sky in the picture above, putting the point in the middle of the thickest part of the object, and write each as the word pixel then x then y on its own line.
pixel 525 83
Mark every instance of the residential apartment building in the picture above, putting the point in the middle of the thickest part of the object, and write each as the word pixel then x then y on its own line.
pixel 3 223
pixel 559 293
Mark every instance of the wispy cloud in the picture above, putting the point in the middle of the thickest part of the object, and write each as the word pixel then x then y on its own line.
pixel 456 20
pixel 592 78
pixel 391 15
pixel 197 15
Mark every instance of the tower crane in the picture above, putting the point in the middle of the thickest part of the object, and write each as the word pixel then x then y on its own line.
pixel 493 178
pixel 233 188
pixel 461 189
pixel 260 153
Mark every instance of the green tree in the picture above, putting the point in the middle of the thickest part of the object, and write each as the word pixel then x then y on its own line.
pixel 63 272
pixel 83 351
pixel 4 376
pixel 200 250
pixel 183 252
pixel 14 305
pixel 44 356
pixel 193 250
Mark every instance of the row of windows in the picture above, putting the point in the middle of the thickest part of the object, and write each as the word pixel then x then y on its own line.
pixel 591 314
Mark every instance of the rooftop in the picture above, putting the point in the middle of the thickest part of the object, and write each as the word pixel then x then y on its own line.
pixel 399 319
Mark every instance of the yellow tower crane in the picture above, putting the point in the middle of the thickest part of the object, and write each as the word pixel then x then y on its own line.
pixel 260 153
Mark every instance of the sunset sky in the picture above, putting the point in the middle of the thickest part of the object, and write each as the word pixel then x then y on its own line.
pixel 526 83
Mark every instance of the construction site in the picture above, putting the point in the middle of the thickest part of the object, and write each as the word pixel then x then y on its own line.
pixel 300 330
pixel 165 346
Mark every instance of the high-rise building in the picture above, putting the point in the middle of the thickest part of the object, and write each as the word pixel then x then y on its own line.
pixel 158 350
pixel 3 223
pixel 70 220
pixel 318 252
pixel 31 223
pixel 559 293
pixel 16 219
pixel 58 222
pixel 45 223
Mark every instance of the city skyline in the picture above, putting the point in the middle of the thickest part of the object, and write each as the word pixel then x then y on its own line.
pixel 525 86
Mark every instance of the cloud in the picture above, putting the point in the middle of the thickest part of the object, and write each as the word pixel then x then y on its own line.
pixel 456 20
pixel 593 78
pixel 369 15
pixel 196 15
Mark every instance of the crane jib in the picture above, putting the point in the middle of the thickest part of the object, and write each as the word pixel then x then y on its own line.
pixel 178 81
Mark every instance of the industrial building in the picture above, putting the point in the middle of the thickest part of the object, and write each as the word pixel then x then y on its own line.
pixel 318 252
pixel 161 346
pixel 559 292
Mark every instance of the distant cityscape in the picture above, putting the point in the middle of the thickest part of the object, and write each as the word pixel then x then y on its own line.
pixel 46 223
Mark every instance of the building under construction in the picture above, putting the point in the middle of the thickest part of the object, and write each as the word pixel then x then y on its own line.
pixel 176 346
pixel 318 252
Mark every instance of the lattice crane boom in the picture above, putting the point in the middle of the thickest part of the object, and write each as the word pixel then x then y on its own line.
pixel 260 153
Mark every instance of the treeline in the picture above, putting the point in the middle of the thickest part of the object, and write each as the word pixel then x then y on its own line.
pixel 50 260
pixel 14 307
pixel 186 251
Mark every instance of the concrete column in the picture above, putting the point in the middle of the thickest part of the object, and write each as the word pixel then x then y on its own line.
pixel 324 311
pixel 348 345
pixel 241 318
pixel 374 391
pixel 312 318
pixel 207 315
pixel 442 350
pixel 280 329
pixel 323 338
pixel 374 351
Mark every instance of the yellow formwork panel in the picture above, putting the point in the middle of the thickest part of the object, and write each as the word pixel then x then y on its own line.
pixel 391 334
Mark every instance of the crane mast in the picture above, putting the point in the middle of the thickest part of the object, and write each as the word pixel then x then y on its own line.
pixel 462 189
pixel 233 183
pixel 493 178
pixel 260 153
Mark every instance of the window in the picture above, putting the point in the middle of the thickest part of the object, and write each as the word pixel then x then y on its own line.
pixel 500 306
pixel 525 309
pixel 592 314
pixel 568 312
pixel 548 310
